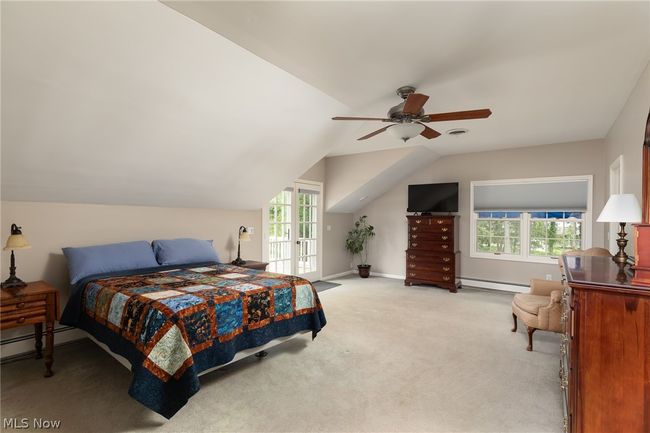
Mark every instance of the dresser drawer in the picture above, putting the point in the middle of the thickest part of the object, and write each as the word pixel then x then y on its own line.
pixel 23 317
pixel 16 307
pixel 428 265
pixel 434 277
pixel 431 236
pixel 431 245
pixel 431 229
pixel 430 256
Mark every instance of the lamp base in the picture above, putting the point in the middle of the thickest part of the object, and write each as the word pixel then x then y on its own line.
pixel 13 282
pixel 621 256
pixel 238 262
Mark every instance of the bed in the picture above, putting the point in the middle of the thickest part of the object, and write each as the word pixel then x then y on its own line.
pixel 170 324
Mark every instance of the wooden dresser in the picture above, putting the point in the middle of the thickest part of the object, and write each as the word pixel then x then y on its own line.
pixel 605 363
pixel 432 256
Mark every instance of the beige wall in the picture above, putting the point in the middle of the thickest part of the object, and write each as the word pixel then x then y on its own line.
pixel 51 226
pixel 626 136
pixel 336 259
pixel 387 213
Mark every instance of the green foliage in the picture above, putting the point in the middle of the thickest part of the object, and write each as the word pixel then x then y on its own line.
pixel 357 240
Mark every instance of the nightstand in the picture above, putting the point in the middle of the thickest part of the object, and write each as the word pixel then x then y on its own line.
pixel 251 264
pixel 36 304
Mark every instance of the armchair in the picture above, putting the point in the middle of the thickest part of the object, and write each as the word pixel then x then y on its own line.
pixel 541 308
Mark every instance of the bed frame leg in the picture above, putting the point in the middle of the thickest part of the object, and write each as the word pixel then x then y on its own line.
pixel 261 354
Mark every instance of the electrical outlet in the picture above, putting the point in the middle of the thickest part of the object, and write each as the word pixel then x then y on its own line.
pixel 549 277
pixel 251 230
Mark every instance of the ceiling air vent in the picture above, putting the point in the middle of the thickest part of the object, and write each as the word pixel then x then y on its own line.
pixel 457 131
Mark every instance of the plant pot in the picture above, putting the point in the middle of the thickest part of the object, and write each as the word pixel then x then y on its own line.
pixel 364 271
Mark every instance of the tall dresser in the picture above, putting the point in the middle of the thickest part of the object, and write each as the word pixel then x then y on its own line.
pixel 432 256
pixel 605 363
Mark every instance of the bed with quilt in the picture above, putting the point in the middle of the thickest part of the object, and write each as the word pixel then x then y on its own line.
pixel 174 322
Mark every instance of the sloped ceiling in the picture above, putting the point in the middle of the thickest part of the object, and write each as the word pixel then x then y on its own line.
pixel 134 103
pixel 551 71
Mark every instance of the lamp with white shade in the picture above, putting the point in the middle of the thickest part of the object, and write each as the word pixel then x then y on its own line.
pixel 244 236
pixel 622 209
pixel 16 241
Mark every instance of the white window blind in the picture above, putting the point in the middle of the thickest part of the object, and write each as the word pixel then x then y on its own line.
pixel 566 195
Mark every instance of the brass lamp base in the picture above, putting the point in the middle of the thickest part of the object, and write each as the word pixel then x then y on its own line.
pixel 621 256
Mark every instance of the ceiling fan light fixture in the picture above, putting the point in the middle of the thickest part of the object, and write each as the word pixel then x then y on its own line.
pixel 406 131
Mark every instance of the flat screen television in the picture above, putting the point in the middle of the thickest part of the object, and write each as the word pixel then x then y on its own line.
pixel 433 197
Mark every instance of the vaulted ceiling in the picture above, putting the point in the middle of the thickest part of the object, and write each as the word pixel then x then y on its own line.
pixel 221 104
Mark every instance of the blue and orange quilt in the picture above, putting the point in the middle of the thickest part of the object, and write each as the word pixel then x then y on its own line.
pixel 172 323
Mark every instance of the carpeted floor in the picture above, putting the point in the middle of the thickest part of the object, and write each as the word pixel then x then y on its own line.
pixel 391 358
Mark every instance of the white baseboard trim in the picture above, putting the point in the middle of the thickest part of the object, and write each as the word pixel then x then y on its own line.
pixel 26 345
pixel 339 275
pixel 493 285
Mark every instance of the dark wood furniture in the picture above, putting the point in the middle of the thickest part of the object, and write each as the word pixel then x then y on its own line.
pixel 36 304
pixel 642 231
pixel 605 364
pixel 432 256
pixel 252 264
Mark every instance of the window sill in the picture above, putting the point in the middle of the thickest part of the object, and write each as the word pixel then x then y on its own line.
pixel 510 258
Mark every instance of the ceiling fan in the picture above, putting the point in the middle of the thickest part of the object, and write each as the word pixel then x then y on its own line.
pixel 408 117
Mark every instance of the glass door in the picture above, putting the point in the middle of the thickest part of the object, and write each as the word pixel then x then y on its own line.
pixel 293 228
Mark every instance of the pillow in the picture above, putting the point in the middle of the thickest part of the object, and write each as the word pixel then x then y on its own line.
pixel 184 251
pixel 101 259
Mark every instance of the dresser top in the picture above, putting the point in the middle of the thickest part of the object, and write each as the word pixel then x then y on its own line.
pixel 601 271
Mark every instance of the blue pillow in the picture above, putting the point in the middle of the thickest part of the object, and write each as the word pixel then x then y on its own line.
pixel 101 259
pixel 184 251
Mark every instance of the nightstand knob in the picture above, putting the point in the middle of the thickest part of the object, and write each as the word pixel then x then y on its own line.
pixel 21 305
pixel 21 320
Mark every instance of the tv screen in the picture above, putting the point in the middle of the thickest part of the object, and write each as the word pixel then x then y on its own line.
pixel 433 197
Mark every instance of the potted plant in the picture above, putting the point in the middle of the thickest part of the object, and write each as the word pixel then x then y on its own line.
pixel 357 244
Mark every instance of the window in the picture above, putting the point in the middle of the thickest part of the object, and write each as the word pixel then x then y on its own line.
pixel 507 223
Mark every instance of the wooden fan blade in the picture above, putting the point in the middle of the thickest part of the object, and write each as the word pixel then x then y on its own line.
pixel 360 118
pixel 372 134
pixel 414 103
pixel 459 115
pixel 429 133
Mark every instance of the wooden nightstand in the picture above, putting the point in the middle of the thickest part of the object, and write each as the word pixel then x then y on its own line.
pixel 36 304
pixel 251 264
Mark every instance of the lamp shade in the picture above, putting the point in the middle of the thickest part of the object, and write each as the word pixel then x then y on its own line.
pixel 406 131
pixel 17 242
pixel 621 208
pixel 244 236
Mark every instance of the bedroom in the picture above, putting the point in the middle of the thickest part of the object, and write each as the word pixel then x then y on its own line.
pixel 148 121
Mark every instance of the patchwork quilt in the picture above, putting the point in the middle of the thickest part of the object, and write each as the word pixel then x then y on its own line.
pixel 172 323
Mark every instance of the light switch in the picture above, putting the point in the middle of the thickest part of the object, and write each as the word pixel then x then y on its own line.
pixel 251 230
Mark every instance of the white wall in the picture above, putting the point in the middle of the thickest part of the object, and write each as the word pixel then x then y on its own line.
pixel 387 213
pixel 51 226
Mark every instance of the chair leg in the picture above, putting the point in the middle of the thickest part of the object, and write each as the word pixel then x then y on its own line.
pixel 530 338
pixel 514 319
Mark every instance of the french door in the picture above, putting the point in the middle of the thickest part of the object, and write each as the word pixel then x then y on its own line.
pixel 292 231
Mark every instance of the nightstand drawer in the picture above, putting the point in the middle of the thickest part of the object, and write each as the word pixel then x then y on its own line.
pixel 18 318
pixel 10 308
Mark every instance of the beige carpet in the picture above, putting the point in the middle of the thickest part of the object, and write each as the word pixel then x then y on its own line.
pixel 391 358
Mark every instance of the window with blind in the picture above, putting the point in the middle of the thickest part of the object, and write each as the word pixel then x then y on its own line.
pixel 530 219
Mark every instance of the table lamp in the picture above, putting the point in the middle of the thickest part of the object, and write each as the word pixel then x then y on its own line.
pixel 16 241
pixel 622 209
pixel 243 236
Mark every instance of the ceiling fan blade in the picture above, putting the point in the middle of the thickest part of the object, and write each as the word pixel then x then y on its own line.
pixel 459 115
pixel 429 133
pixel 360 118
pixel 372 134
pixel 414 103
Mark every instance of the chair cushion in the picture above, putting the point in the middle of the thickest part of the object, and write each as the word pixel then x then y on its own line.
pixel 531 303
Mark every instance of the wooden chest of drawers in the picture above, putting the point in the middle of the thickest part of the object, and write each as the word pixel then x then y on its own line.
pixel 432 256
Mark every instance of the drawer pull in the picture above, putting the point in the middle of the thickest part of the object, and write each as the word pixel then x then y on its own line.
pixel 446 278
pixel 440 221
pixel 444 229
pixel 414 236
pixel 414 229
pixel 415 244
pixel 444 246
pixel 411 265
pixel 21 320
pixel 446 259
pixel 446 268
pixel 412 274
pixel 418 221
pixel 444 238
pixel 21 305
pixel 412 256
